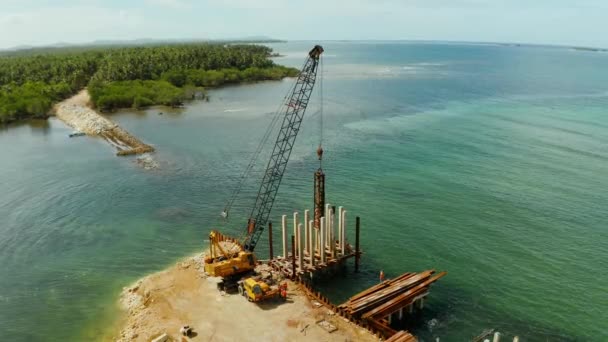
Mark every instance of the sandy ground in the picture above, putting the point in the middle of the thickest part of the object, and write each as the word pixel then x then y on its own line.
pixel 183 295
pixel 76 113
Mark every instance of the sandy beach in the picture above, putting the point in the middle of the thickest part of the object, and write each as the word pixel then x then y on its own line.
pixel 183 295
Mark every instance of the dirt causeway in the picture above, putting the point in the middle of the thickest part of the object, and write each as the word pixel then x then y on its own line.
pixel 183 295
pixel 76 113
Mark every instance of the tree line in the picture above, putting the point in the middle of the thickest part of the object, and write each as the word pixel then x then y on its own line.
pixel 128 76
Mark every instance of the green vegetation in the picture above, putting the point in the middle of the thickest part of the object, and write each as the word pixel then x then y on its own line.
pixel 31 99
pixel 136 94
pixel 128 76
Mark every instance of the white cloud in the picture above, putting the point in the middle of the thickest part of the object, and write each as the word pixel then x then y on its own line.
pixel 72 24
pixel 175 4
pixel 541 21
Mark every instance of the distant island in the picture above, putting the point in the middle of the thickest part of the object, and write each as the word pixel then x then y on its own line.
pixel 31 81
pixel 31 49
pixel 579 48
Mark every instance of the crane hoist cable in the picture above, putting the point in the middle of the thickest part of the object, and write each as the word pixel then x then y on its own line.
pixel 255 156
pixel 292 119
pixel 320 148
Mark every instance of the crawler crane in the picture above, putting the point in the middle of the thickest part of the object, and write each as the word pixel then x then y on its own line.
pixel 229 258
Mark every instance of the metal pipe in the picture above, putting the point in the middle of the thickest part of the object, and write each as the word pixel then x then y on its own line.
pixel 328 227
pixel 340 209
pixel 295 228
pixel 311 249
pixel 270 240
pixel 344 231
pixel 293 256
pixel 306 232
pixel 319 198
pixel 327 216
pixel 496 337
pixel 284 230
pixel 357 255
pixel 332 234
pixel 300 248
pixel 314 250
pixel 322 248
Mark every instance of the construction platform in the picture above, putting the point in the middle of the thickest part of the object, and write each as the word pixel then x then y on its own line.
pixel 383 308
pixel 385 305
pixel 315 249
pixel 321 249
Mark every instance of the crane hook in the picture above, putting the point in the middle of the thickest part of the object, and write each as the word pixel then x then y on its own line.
pixel 320 155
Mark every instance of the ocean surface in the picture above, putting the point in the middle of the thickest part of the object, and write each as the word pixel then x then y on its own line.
pixel 489 162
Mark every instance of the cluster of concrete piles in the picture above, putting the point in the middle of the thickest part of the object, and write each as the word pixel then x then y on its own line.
pixel 313 247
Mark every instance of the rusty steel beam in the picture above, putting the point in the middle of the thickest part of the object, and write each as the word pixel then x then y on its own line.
pixel 378 287
pixel 403 299
pixel 383 328
pixel 382 296
pixel 319 197
pixel 396 304
pixel 401 336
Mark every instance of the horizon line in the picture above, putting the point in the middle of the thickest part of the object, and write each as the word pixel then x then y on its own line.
pixel 263 39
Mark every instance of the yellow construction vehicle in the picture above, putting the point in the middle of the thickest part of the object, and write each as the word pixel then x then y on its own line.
pixel 258 290
pixel 228 260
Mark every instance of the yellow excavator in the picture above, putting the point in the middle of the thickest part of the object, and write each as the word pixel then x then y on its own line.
pixel 229 258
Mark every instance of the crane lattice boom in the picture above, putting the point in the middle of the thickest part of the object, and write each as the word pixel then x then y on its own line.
pixel 295 106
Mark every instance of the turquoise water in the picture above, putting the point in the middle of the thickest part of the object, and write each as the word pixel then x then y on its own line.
pixel 488 162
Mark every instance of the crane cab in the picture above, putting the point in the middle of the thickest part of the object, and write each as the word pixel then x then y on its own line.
pixel 224 267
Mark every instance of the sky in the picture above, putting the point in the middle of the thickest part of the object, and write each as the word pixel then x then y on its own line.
pixel 557 22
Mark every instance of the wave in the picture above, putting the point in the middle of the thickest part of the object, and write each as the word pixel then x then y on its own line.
pixel 352 71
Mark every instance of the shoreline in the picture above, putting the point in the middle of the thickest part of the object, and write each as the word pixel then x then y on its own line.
pixel 78 114
pixel 162 302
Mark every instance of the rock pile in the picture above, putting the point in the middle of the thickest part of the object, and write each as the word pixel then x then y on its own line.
pixel 84 119
pixel 75 113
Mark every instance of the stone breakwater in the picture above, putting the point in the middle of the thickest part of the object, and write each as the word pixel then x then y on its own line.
pixel 76 113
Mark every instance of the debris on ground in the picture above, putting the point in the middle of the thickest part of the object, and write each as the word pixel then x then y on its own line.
pixel 327 326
